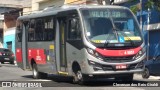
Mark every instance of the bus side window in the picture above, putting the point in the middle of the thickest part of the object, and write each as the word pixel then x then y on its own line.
pixel 48 29
pixel 31 30
pixel 19 31
pixel 74 29
pixel 39 30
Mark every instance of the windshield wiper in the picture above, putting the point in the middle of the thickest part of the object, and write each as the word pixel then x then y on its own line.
pixel 106 41
pixel 113 26
pixel 117 35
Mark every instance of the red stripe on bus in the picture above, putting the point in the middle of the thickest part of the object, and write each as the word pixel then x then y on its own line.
pixel 118 53
pixel 37 54
pixel 19 55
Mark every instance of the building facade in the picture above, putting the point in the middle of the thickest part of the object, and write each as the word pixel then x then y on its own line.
pixel 9 28
pixel 4 25
pixel 1 30
pixel 42 4
pixel 11 10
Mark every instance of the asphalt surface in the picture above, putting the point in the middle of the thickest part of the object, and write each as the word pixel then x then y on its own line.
pixel 13 74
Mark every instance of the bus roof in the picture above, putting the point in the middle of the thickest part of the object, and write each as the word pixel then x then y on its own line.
pixel 55 10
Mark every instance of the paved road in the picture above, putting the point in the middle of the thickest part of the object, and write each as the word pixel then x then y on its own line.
pixel 13 73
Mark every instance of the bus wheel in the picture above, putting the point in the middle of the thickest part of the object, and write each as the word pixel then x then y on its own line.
pixel 79 78
pixel 35 71
pixel 37 74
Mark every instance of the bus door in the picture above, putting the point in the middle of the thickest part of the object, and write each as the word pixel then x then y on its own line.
pixel 67 34
pixel 62 67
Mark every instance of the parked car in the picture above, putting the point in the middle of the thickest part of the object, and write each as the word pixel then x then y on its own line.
pixel 152 67
pixel 6 55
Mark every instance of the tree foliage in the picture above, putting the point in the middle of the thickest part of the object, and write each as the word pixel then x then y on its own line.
pixel 149 4
pixel 153 4
pixel 134 9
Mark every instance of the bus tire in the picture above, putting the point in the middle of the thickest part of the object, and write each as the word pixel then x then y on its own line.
pixel 128 77
pixel 79 78
pixel 36 74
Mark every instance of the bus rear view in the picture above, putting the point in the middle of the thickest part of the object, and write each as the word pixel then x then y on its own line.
pixel 113 41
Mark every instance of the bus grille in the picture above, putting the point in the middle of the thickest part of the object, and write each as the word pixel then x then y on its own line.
pixel 118 59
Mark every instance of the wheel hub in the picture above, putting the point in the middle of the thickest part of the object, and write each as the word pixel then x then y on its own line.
pixel 79 75
pixel 34 72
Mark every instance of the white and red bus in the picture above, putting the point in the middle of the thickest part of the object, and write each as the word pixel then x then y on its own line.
pixel 81 41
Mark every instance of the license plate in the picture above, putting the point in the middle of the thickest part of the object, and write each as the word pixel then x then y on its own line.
pixel 6 58
pixel 122 66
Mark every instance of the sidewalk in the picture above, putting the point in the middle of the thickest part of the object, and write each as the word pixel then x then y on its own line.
pixel 139 76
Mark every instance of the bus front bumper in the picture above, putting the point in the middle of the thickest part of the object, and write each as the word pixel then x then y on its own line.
pixel 100 68
pixel 115 72
pixel 111 69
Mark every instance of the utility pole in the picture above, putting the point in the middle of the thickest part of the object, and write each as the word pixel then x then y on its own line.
pixel 141 25
pixel 148 20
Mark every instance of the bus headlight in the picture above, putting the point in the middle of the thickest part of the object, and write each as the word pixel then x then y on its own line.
pixel 90 51
pixel 94 53
pixel 140 53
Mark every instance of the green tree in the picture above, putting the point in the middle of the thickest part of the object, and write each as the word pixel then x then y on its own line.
pixel 134 9
pixel 151 3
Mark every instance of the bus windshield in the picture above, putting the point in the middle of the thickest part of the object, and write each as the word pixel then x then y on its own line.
pixel 111 25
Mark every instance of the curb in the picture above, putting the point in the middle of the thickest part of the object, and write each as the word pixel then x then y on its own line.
pixel 151 77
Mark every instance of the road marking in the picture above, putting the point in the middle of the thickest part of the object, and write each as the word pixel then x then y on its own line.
pixel 154 77
pixel 33 80
pixel 38 80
